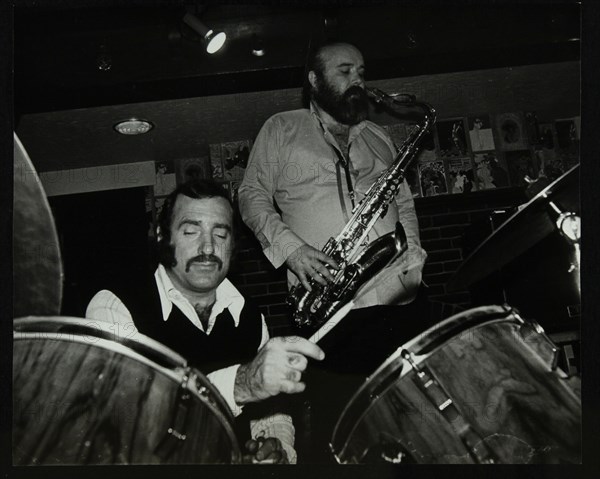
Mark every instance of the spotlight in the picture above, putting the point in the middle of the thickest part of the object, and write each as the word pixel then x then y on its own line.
pixel 214 41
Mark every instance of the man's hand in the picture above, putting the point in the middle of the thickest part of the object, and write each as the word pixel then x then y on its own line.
pixel 307 262
pixel 276 368
pixel 265 451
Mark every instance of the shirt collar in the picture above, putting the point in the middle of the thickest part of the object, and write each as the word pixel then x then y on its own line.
pixel 227 297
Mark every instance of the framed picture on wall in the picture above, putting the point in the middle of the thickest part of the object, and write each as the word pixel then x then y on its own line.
pixel 460 175
pixel 432 177
pixel 216 162
pixel 490 171
pixel 235 159
pixel 481 136
pixel 510 131
pixel 520 164
pixel 548 163
pixel 165 180
pixel 546 136
pixel 452 139
pixel 190 168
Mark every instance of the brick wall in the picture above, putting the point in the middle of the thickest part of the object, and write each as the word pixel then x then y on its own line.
pixel 443 222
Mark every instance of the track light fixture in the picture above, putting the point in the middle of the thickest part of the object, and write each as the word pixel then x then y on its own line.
pixel 214 41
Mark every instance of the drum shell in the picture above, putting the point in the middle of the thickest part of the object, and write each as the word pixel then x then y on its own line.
pixel 80 398
pixel 497 371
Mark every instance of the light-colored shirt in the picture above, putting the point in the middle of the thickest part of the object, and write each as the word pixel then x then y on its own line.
pixel 292 165
pixel 106 306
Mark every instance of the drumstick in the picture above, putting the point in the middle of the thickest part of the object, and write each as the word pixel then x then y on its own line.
pixel 329 325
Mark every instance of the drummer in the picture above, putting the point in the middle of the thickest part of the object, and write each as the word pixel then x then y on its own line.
pixel 189 305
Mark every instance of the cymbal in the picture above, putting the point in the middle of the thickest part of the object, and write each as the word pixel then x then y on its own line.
pixel 521 231
pixel 37 265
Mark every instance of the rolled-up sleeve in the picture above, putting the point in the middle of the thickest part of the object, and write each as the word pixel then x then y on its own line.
pixel 255 197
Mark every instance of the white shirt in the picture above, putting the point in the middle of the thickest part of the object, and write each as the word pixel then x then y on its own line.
pixel 106 306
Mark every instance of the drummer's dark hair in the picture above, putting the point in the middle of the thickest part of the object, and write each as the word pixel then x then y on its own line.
pixel 195 189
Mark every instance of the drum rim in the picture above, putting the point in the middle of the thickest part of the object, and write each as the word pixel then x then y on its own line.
pixel 438 334
pixel 139 342
pixel 219 407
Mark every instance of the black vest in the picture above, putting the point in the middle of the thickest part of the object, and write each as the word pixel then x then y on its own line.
pixel 226 344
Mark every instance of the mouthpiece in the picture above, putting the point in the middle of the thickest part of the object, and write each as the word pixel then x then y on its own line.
pixel 375 94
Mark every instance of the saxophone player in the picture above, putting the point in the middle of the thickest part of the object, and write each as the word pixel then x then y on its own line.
pixel 306 171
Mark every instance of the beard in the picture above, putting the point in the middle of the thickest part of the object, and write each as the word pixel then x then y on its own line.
pixel 348 108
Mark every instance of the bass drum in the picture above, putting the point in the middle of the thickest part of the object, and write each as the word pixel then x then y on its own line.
pixel 480 387
pixel 85 392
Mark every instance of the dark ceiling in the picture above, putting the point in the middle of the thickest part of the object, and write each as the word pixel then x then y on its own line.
pixel 89 56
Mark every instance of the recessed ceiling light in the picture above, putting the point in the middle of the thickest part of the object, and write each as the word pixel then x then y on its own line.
pixel 133 126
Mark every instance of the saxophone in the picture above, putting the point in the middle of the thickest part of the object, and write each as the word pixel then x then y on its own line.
pixel 313 308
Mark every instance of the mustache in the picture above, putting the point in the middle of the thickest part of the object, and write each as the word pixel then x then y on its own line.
pixel 355 90
pixel 203 258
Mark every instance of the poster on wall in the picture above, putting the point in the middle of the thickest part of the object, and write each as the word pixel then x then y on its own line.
pixel 481 136
pixel 567 139
pixel 432 177
pixel 165 179
pixel 451 137
pixel 548 163
pixel 228 160
pixel 490 171
pixel 460 176
pixel 510 131
pixel 192 168
pixel 520 164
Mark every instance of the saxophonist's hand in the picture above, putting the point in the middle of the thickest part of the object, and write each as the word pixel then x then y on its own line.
pixel 307 262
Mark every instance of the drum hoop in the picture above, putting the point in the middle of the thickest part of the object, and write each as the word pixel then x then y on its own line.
pixel 219 408
pixel 422 346
pixel 97 328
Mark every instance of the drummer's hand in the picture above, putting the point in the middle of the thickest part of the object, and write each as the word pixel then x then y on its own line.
pixel 265 451
pixel 276 368
pixel 307 262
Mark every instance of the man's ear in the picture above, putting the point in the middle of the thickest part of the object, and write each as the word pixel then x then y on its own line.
pixel 312 78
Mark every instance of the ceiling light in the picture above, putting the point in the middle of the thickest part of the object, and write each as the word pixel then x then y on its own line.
pixel 258 47
pixel 133 126
pixel 214 41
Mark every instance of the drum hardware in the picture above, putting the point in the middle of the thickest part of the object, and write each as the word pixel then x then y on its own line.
pixel 501 400
pixel 524 229
pixel 442 401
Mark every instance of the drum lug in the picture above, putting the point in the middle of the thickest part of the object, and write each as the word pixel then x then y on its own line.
pixel 535 336
pixel 175 434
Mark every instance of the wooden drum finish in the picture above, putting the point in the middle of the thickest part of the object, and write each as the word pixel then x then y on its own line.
pixel 509 400
pixel 80 398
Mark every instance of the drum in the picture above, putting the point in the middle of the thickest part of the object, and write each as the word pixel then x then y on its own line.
pixel 480 387
pixel 85 392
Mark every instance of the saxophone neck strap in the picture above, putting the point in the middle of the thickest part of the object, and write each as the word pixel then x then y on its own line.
pixel 345 163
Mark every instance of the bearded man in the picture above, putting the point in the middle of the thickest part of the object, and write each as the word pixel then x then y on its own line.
pixel 306 171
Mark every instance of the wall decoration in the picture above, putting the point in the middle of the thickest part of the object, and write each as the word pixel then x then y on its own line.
pixel 460 175
pixel 216 161
pixel 567 135
pixel 548 163
pixel 165 180
pixel 520 164
pixel 192 168
pixel 233 191
pixel 235 159
pixel 532 128
pixel 451 137
pixel 481 137
pixel 490 171
pixel 546 136
pixel 411 175
pixel 510 131
pixel 432 177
